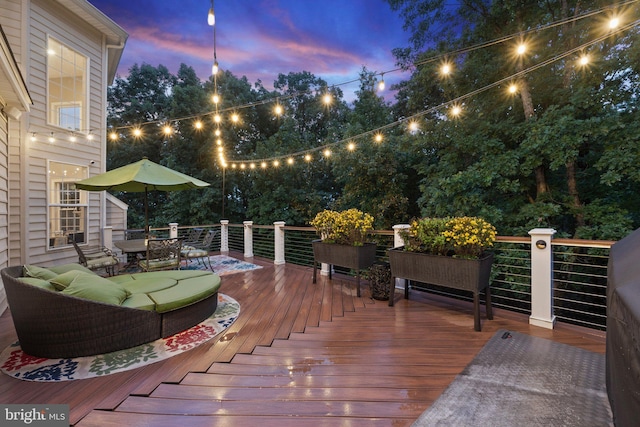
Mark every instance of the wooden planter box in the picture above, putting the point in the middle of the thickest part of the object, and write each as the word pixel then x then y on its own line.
pixel 354 257
pixel 465 274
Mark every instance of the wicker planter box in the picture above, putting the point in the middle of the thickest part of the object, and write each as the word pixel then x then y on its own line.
pixel 465 274
pixel 354 257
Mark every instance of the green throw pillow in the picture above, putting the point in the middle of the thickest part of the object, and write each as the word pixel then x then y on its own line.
pixel 59 269
pixel 96 288
pixel 38 272
pixel 40 283
pixel 62 281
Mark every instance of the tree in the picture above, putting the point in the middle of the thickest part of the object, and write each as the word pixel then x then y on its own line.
pixel 525 160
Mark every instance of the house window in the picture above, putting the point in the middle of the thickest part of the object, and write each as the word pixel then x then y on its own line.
pixel 67 86
pixel 67 205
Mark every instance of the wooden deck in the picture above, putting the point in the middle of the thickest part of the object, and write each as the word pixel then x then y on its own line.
pixel 300 354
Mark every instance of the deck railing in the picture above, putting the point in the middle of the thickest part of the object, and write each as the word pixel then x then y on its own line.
pixel 568 282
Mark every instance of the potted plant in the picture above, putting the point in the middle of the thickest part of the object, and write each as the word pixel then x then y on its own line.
pixel 449 252
pixel 342 241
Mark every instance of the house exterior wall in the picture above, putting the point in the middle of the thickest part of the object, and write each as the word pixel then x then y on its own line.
pixel 4 199
pixel 27 24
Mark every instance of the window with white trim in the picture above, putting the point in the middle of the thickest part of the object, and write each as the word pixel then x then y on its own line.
pixel 67 205
pixel 66 86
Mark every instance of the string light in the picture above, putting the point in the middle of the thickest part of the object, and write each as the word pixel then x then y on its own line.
pixel 137 132
pixel 381 84
pixel 198 125
pixel 327 99
pixel 351 146
pixel 513 88
pixel 455 110
pixel 378 137
pixel 584 60
pixel 211 17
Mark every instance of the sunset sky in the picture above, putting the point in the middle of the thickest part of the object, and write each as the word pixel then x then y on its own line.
pixel 259 39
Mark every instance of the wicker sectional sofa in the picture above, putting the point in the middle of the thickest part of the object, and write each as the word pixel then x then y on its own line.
pixel 69 311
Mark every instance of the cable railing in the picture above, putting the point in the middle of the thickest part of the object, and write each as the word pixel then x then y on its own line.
pixel 579 268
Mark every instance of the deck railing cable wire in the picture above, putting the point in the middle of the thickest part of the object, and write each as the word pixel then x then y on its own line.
pixel 579 273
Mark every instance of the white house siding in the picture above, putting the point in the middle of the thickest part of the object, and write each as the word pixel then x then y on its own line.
pixel 49 18
pixel 4 201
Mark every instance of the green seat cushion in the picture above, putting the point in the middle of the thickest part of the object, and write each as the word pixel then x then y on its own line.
pixel 59 269
pixel 62 281
pixel 155 264
pixel 139 301
pixel 120 278
pixel 38 272
pixel 40 283
pixel 151 284
pixel 172 274
pixel 186 292
pixel 96 288
pixel 106 261
pixel 194 253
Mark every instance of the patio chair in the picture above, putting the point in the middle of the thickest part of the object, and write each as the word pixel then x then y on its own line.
pixel 97 257
pixel 193 237
pixel 162 254
pixel 200 250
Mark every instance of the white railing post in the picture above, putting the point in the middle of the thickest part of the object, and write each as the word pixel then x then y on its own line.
pixel 542 278
pixel 397 239
pixel 173 230
pixel 278 237
pixel 248 239
pixel 224 235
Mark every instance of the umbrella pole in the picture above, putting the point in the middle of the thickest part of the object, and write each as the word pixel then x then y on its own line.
pixel 146 212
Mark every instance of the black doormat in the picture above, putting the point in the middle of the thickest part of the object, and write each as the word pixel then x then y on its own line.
pixel 520 380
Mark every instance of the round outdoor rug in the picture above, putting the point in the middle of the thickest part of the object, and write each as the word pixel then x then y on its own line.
pixel 17 364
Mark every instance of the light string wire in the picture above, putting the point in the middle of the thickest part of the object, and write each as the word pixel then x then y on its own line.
pixel 415 64
pixel 397 69
pixel 443 105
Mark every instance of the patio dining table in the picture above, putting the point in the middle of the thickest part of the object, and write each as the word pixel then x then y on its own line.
pixel 134 248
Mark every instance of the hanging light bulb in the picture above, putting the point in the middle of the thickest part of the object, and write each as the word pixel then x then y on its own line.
pixel 381 84
pixel 52 139
pixel 214 68
pixel 90 136
pixel 33 136
pixel 211 17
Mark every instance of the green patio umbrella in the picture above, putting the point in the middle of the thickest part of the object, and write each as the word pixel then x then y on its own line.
pixel 141 176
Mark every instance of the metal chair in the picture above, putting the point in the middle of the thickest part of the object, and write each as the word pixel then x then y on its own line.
pixel 97 257
pixel 200 250
pixel 162 254
pixel 193 237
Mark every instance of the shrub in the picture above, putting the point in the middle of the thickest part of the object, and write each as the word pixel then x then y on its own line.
pixel 348 227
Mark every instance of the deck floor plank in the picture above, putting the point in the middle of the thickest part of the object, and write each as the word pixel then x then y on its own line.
pixel 300 354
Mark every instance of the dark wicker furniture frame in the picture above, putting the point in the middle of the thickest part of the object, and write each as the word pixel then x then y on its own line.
pixel 53 325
